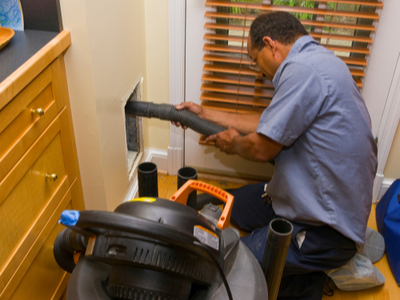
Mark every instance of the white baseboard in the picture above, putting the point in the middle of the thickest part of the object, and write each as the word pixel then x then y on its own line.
pixel 175 160
pixel 386 183
pixel 133 191
pixel 157 156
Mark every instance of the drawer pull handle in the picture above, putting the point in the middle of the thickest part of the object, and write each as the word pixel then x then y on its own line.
pixel 38 111
pixel 53 177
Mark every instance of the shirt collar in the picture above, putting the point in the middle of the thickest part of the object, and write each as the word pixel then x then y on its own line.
pixel 296 48
pixel 299 45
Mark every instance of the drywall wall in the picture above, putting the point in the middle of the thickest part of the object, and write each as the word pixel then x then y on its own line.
pixel 83 106
pixel 107 56
pixel 156 132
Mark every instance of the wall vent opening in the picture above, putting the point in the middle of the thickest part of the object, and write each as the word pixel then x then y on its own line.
pixel 133 130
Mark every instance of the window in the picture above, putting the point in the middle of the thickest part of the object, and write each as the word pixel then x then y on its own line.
pixel 343 26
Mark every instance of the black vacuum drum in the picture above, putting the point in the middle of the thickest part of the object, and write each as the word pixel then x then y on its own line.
pixel 155 249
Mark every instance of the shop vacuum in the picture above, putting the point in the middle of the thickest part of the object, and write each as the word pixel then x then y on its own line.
pixel 157 249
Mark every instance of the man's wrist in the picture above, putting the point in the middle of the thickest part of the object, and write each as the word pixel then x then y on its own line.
pixel 236 143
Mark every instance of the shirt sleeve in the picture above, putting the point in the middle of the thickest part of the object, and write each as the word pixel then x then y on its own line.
pixel 297 101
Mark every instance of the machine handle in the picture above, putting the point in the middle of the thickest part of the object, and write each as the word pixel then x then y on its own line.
pixel 182 194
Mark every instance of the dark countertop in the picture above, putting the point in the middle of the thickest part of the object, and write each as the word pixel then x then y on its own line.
pixel 21 47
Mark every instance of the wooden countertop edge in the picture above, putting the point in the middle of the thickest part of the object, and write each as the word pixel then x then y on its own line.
pixel 14 83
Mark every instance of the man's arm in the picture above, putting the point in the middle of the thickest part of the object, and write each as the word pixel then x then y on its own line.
pixel 254 146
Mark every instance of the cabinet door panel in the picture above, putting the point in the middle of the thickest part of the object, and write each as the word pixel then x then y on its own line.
pixel 23 206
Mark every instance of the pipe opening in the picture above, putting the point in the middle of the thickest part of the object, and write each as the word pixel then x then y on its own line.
pixel 187 173
pixel 147 167
pixel 281 226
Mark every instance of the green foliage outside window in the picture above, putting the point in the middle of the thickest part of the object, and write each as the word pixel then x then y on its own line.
pixel 294 3
pixel 306 4
pixel 239 10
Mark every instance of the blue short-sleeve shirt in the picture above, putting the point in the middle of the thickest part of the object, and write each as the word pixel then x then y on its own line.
pixel 324 173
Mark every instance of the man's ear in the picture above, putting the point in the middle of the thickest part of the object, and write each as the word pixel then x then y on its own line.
pixel 270 43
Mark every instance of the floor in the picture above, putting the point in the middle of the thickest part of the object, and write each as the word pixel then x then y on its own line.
pixel 389 291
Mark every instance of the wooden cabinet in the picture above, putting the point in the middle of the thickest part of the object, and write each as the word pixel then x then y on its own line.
pixel 39 174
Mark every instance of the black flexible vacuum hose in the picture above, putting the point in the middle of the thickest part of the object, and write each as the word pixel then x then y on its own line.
pixel 65 245
pixel 170 113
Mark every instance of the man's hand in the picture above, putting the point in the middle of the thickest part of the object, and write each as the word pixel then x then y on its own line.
pixel 190 106
pixel 223 140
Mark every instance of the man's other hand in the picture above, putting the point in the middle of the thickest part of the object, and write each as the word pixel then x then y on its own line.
pixel 223 140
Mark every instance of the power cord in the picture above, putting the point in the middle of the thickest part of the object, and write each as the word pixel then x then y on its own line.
pixel 221 272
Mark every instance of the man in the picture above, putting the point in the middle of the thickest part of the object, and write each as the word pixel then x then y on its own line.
pixel 317 129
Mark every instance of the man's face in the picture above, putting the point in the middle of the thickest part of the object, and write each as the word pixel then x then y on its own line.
pixel 263 58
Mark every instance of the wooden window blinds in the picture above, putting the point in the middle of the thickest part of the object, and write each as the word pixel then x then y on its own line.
pixel 343 26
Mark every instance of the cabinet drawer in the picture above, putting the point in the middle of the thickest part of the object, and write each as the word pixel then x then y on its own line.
pixel 23 205
pixel 24 118
pixel 44 279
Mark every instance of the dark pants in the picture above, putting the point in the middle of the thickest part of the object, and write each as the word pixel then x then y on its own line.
pixel 323 248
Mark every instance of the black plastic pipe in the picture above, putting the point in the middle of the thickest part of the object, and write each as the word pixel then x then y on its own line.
pixel 184 174
pixel 278 240
pixel 148 179
pixel 170 113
